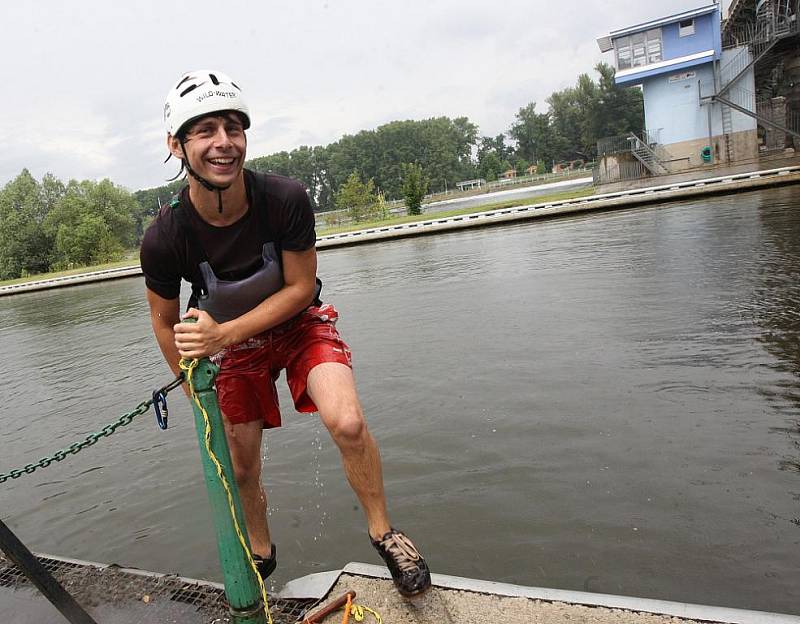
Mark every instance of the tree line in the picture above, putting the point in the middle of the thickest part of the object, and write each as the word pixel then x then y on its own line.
pixel 50 225
pixel 452 150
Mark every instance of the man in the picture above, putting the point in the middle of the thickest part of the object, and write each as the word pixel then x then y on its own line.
pixel 245 242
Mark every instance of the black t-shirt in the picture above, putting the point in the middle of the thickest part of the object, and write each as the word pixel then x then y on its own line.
pixel 280 212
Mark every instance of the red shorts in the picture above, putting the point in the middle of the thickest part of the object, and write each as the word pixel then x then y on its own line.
pixel 248 370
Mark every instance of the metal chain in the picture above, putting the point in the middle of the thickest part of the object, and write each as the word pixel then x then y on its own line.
pixel 90 439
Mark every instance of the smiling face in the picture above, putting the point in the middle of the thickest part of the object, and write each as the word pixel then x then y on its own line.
pixel 215 146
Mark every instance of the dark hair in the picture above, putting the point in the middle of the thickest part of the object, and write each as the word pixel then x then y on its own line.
pixel 189 124
pixel 181 171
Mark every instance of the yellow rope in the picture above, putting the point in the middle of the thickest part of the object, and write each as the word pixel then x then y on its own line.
pixel 358 613
pixel 188 367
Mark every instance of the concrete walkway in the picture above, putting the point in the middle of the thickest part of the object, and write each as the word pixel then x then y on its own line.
pixel 522 192
pixel 468 601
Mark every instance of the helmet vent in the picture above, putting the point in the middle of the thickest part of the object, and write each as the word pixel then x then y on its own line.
pixel 197 94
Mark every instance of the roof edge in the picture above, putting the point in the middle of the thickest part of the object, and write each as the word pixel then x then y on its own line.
pixel 664 20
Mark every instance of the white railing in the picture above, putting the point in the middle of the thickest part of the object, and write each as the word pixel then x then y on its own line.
pixel 742 97
pixel 734 66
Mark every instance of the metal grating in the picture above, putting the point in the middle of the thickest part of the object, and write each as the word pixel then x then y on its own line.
pixel 92 585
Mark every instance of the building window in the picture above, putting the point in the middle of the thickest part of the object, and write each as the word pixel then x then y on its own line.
pixel 686 27
pixel 623 53
pixel 654 46
pixel 639 49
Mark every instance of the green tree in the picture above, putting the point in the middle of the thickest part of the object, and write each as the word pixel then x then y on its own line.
pixel 442 146
pixel 89 241
pixel 360 200
pixel 24 243
pixel 533 135
pixel 380 211
pixel 566 120
pixel 589 111
pixel 415 185
pixel 116 206
pixel 92 222
pixel 278 163
pixel 305 164
pixel 490 155
pixel 521 165
pixel 617 109
pixel 52 190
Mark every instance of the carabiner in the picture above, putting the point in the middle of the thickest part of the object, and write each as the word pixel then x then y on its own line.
pixel 160 405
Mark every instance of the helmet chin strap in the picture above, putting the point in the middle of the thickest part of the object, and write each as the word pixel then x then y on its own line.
pixel 206 184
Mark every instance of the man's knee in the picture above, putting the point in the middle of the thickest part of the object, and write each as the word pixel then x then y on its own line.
pixel 244 442
pixel 247 475
pixel 247 472
pixel 246 460
pixel 346 424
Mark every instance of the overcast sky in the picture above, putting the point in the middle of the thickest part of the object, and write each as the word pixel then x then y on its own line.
pixel 84 82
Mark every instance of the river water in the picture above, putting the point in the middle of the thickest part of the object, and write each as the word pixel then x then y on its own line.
pixel 606 402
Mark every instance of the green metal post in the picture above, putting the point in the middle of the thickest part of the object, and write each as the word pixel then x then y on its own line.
pixel 241 585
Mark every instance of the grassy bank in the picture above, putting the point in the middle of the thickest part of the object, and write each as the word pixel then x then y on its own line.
pixel 132 258
pixel 499 205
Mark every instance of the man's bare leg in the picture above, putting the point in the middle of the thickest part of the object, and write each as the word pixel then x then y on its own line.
pixel 244 441
pixel 332 388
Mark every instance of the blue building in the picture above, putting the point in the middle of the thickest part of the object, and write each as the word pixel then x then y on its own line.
pixel 696 95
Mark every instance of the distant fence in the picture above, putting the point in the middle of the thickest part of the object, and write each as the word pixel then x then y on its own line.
pixel 615 159
pixel 535 178
pixel 609 171
pixel 397 206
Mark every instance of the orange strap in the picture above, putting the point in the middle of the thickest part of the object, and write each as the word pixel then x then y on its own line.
pixel 347 608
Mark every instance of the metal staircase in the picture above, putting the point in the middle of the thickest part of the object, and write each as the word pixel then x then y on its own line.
pixel 774 23
pixel 632 156
pixel 646 155
pixel 758 47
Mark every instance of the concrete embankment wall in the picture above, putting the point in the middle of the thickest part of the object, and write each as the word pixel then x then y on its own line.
pixel 603 201
pixel 72 280
pixel 663 193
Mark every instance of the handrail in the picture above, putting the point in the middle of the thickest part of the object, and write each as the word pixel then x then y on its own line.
pixel 653 163
pixel 734 66
pixel 758 40
pixel 760 118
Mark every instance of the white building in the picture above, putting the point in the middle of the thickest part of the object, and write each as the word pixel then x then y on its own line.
pixel 699 100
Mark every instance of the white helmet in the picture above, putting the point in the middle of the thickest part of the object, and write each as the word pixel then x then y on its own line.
pixel 199 93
